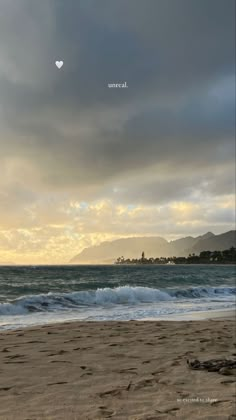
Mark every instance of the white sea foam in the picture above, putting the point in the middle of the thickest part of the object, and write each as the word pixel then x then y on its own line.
pixel 109 297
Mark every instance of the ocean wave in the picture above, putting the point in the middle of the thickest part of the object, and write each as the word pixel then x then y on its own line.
pixel 109 296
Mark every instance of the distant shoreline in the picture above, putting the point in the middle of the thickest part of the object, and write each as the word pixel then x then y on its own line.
pixel 112 265
pixel 187 264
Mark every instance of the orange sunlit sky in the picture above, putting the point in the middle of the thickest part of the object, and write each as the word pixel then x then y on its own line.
pixel 82 163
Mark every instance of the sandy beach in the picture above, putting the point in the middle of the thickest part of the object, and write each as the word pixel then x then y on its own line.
pixel 119 370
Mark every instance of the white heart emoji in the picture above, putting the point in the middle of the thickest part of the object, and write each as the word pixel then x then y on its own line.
pixel 59 64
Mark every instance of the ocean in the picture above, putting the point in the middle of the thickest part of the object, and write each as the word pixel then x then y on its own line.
pixel 36 295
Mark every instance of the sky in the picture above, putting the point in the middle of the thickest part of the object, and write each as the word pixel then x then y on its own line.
pixel 81 163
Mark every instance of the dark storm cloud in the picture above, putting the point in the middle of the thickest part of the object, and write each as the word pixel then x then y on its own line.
pixel 74 130
pixel 183 44
pixel 159 186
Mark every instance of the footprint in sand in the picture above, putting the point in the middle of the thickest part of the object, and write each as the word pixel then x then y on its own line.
pixel 183 394
pixel 128 370
pixel 157 372
pixel 106 413
pixel 112 392
pixel 229 381
pixel 144 383
pixel 9 363
pixel 219 402
pixel 86 374
pixel 58 383
pixel 164 381
pixel 168 410
pixel 15 356
pixel 89 371
pixel 58 353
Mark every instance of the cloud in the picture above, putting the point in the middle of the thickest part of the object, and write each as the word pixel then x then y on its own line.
pixel 64 136
pixel 54 239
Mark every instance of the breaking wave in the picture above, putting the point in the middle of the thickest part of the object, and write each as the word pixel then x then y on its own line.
pixel 125 295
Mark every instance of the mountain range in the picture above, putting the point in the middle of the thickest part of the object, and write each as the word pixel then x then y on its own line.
pixel 108 252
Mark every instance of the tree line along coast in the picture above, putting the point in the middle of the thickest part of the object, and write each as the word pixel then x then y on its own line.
pixel 228 256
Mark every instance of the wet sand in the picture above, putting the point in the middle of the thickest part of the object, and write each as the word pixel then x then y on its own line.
pixel 117 370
